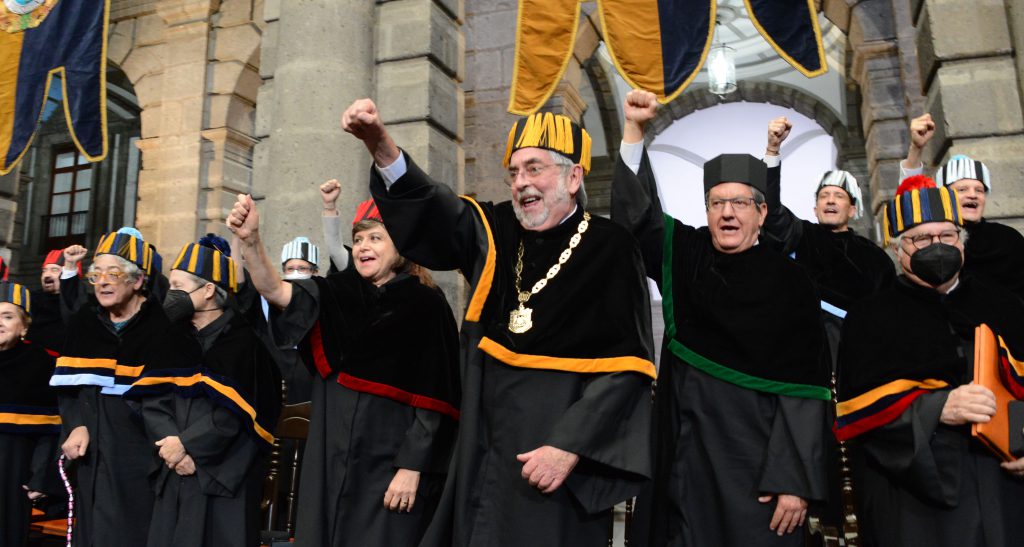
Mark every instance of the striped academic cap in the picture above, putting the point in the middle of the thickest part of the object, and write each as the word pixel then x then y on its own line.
pixel 367 210
pixel 129 247
pixel 209 264
pixel 302 249
pixel 961 167
pixel 846 181
pixel 917 202
pixel 551 132
pixel 16 294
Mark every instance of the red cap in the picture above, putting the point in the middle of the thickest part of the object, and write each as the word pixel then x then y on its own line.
pixel 367 210
pixel 56 256
pixel 916 182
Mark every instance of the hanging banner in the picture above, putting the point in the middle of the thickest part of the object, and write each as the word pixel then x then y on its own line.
pixel 40 39
pixel 658 45
pixel 545 37
pixel 791 27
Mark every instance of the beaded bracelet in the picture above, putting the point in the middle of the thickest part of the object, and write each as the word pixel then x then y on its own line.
pixel 71 496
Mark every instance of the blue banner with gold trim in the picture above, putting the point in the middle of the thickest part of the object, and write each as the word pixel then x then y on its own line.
pixel 41 39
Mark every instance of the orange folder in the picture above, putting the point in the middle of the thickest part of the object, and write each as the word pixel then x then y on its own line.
pixel 996 433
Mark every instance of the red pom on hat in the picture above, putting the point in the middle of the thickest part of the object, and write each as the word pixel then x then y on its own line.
pixel 367 210
pixel 916 182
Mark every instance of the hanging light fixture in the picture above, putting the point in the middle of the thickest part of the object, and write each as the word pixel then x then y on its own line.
pixel 721 67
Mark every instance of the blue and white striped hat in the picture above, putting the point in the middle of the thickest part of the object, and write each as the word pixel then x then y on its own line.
pixel 846 181
pixel 962 167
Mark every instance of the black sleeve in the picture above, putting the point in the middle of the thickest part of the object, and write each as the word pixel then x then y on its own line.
pixel 158 416
pixel 44 476
pixel 72 296
pixel 68 401
pixel 290 325
pixel 637 207
pixel 206 437
pixel 429 224
pixel 609 428
pixel 919 452
pixel 427 443
pixel 781 224
pixel 795 459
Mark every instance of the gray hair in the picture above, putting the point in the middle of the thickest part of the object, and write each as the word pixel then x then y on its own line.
pixel 220 296
pixel 131 270
pixel 566 165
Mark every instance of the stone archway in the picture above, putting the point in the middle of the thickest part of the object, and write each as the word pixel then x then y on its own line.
pixel 195 69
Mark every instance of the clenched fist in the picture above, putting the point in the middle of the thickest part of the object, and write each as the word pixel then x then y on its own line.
pixel 778 131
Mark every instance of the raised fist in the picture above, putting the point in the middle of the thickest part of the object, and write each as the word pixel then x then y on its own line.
pixel 244 220
pixel 329 192
pixel 778 131
pixel 362 119
pixel 640 106
pixel 73 255
pixel 922 129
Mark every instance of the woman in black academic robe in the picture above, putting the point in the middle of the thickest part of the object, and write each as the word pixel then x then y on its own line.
pixel 29 422
pixel 386 393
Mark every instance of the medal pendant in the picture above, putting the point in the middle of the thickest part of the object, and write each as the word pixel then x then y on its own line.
pixel 520 320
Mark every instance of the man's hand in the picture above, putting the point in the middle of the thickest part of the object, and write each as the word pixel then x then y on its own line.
pixel 186 466
pixel 547 467
pixel 778 131
pixel 32 494
pixel 329 193
pixel 73 255
pixel 1015 468
pixel 171 450
pixel 401 494
pixel 639 108
pixel 922 129
pixel 362 119
pixel 969 403
pixel 790 513
pixel 77 443
pixel 244 220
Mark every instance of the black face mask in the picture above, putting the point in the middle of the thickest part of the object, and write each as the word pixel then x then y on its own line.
pixel 936 263
pixel 178 305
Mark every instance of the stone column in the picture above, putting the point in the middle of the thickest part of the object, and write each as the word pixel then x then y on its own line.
pixel 419 68
pixel 316 58
pixel 966 53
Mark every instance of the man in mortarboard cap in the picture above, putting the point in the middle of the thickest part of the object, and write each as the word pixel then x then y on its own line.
pixel 906 397
pixel 741 400
pixel 554 426
pixel 995 251
pixel 211 421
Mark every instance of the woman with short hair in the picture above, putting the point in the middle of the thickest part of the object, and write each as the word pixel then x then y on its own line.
pixel 384 344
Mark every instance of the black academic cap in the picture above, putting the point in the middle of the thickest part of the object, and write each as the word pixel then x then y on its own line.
pixel 736 168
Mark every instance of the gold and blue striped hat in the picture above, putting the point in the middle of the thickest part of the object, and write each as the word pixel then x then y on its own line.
pixel 551 132
pixel 129 247
pixel 16 294
pixel 917 202
pixel 209 264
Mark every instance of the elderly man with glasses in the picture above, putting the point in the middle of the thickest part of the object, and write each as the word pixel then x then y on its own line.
pixel 109 345
pixel 557 357
pixel 741 401
pixel 906 398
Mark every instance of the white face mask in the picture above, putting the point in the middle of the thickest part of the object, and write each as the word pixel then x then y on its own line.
pixel 292 276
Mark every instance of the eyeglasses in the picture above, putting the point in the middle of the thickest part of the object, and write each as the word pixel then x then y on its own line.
pixel 298 269
pixel 531 172
pixel 97 277
pixel 738 204
pixel 949 237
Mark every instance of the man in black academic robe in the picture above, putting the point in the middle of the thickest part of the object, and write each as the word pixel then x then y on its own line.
pixel 48 324
pixel 844 265
pixel 906 398
pixel 557 368
pixel 741 401
pixel 994 252
pixel 108 347
pixel 213 422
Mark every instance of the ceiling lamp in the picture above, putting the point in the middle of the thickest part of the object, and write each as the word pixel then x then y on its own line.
pixel 721 67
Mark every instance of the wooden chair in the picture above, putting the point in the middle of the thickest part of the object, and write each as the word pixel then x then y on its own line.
pixel 293 426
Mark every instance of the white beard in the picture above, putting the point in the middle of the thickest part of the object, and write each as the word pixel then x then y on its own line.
pixel 533 220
